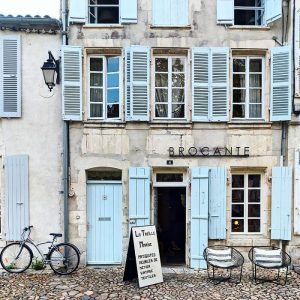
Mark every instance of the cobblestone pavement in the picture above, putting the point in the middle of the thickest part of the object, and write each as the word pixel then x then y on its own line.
pixel 88 284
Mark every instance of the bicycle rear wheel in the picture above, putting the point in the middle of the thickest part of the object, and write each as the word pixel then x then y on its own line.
pixel 16 258
pixel 64 258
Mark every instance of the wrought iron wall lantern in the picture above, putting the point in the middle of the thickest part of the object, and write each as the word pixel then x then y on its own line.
pixel 49 68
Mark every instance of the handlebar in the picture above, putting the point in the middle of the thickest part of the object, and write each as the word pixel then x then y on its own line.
pixel 28 228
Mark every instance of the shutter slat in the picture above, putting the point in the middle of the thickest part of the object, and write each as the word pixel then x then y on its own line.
pixel 225 12
pixel 78 11
pixel 72 83
pixel 128 11
pixel 273 10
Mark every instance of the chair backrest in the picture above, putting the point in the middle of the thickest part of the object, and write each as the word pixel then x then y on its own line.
pixel 219 255
pixel 267 257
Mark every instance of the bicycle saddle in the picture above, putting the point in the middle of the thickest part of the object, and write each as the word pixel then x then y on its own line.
pixel 56 234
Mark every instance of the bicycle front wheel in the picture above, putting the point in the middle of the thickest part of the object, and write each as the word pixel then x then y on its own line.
pixel 16 258
pixel 64 258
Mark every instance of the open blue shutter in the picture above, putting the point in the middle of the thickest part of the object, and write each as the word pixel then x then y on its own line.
pixel 16 195
pixel 225 12
pixel 161 12
pixel 199 216
pixel 200 84
pixel 281 210
pixel 217 203
pixel 281 96
pixel 72 83
pixel 139 196
pixel 10 77
pixel 297 51
pixel 297 193
pixel 128 10
pixel 273 10
pixel 78 11
pixel 137 83
pixel 219 84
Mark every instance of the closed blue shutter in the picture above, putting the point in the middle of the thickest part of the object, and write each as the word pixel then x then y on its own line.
pixel 217 203
pixel 281 96
pixel 10 76
pixel 128 11
pixel 72 83
pixel 297 193
pixel 139 196
pixel 273 10
pixel 16 196
pixel 200 84
pixel 137 83
pixel 225 12
pixel 179 12
pixel 297 51
pixel 199 216
pixel 78 11
pixel 281 210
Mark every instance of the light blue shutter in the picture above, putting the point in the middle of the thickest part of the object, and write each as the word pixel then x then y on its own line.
pixel 281 210
pixel 297 193
pixel 72 83
pixel 16 195
pixel 78 11
pixel 219 84
pixel 217 203
pixel 10 76
pixel 200 84
pixel 273 10
pixel 139 196
pixel 128 11
pixel 281 96
pixel 179 12
pixel 161 12
pixel 297 51
pixel 225 12
pixel 137 83
pixel 199 216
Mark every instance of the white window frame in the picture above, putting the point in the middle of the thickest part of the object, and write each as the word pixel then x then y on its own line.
pixel 104 118
pixel 246 203
pixel 170 183
pixel 247 82
pixel 169 117
pixel 96 11
pixel 262 7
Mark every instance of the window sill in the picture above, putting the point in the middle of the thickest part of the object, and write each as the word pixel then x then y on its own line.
pixel 103 124
pixel 103 26
pixel 170 124
pixel 171 27
pixel 249 124
pixel 249 27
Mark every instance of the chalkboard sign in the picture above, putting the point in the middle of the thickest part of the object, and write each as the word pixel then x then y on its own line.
pixel 143 260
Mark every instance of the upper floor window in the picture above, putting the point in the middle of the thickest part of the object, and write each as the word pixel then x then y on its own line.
pixel 247 90
pixel 170 87
pixel 249 12
pixel 104 12
pixel 104 87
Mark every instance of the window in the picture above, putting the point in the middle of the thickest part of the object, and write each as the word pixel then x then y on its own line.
pixel 104 87
pixel 247 90
pixel 103 12
pixel 249 12
pixel 246 203
pixel 170 87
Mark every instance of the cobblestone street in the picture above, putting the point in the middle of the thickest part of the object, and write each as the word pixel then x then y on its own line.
pixel 88 284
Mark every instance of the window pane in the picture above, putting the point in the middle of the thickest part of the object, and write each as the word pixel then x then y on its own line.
pixel 161 110
pixel 161 64
pixel 255 111
pixel 113 64
pixel 253 210
pixel 254 180
pixel 92 16
pixel 96 111
pixel 96 95
pixel 239 96
pixel 113 96
pixel 161 95
pixel 161 80
pixel 237 181
pixel 96 64
pixel 237 225
pixel 237 210
pixel 178 95
pixel 239 65
pixel 248 17
pixel 255 80
pixel 178 64
pixel 113 80
pixel 108 15
pixel 254 196
pixel 255 65
pixel 239 80
pixel 237 196
pixel 255 96
pixel 253 225
pixel 247 3
pixel 113 111
pixel 96 79
pixel 161 177
pixel 238 111
pixel 178 80
pixel 178 111
pixel 108 1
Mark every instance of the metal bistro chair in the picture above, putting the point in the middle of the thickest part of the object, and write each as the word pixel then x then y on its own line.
pixel 223 257
pixel 269 258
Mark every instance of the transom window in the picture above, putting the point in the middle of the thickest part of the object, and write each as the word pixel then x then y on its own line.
pixel 104 87
pixel 249 12
pixel 170 87
pixel 247 91
pixel 104 12
pixel 246 203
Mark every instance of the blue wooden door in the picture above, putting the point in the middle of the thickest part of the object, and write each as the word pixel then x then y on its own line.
pixel 104 212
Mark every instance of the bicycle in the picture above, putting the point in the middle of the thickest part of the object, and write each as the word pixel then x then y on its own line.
pixel 63 258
